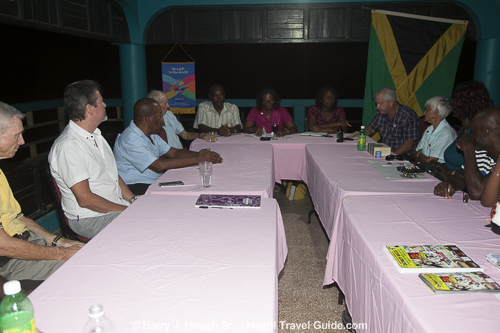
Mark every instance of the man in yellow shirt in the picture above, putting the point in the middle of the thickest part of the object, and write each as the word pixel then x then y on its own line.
pixel 27 251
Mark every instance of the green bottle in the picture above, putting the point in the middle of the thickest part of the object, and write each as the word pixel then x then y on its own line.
pixel 16 310
pixel 362 139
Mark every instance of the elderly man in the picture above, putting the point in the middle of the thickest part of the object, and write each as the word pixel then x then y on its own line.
pixel 398 124
pixel 138 149
pixel 439 135
pixel 216 115
pixel 173 128
pixel 480 152
pixel 83 165
pixel 27 251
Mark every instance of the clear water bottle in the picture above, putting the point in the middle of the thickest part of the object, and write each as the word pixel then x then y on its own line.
pixel 340 134
pixel 16 310
pixel 98 322
pixel 362 139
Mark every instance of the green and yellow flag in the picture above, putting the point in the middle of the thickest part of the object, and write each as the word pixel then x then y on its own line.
pixel 416 55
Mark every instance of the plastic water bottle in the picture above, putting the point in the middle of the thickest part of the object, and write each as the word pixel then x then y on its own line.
pixel 340 134
pixel 362 139
pixel 16 310
pixel 98 322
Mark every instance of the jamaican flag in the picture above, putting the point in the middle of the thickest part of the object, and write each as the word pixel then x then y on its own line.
pixel 416 55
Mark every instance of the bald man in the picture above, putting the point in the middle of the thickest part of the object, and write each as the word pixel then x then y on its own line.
pixel 138 149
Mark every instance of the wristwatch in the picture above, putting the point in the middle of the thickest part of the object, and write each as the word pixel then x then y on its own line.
pixel 134 198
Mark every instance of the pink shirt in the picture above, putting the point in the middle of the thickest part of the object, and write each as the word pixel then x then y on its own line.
pixel 278 116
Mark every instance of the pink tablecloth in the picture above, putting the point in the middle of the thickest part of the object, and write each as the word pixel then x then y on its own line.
pixel 288 152
pixel 392 302
pixel 246 169
pixel 333 172
pixel 164 262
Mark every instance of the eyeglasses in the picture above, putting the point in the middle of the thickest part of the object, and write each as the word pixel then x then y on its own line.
pixel 394 157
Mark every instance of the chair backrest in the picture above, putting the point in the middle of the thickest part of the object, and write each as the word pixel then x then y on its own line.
pixel 65 229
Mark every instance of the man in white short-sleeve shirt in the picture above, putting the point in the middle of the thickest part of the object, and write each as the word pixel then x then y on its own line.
pixel 216 115
pixel 83 165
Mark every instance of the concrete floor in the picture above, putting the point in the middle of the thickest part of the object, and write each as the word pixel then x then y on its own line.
pixel 302 297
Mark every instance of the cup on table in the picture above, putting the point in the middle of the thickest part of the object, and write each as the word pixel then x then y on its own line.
pixel 206 173
pixel 212 136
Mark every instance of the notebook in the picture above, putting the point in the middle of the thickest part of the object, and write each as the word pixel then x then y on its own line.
pixel 228 201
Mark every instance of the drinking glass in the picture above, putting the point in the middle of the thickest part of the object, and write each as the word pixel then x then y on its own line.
pixel 274 128
pixel 206 173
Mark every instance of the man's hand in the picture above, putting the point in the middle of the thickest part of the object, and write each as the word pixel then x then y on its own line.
pixel 466 141
pixel 209 156
pixel 67 243
pixel 224 130
pixel 68 252
pixel 204 136
pixel 444 189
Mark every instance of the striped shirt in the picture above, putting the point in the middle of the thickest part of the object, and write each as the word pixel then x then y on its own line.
pixel 208 116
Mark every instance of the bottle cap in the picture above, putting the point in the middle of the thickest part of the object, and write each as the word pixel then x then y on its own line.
pixel 362 127
pixel 96 311
pixel 12 287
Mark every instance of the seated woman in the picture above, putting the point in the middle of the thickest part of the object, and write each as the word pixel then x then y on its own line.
pixel 468 99
pixel 268 113
pixel 326 116
pixel 439 135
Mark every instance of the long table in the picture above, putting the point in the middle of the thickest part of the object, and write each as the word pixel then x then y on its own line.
pixel 288 152
pixel 388 301
pixel 164 263
pixel 246 169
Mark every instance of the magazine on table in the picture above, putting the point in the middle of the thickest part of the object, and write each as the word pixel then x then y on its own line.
pixel 460 282
pixel 494 259
pixel 228 201
pixel 431 259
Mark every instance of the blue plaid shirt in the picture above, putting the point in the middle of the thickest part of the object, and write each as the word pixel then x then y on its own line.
pixel 403 127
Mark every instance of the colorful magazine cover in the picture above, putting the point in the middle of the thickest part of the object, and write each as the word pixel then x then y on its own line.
pixel 494 259
pixel 460 282
pixel 431 259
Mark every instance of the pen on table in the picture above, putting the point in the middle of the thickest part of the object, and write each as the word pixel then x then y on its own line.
pixel 348 124
pixel 206 207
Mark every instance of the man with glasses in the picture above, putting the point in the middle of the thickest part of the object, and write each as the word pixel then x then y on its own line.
pixel 172 128
pixel 397 124
pixel 27 251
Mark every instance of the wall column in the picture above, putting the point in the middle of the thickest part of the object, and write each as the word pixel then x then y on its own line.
pixel 487 66
pixel 134 77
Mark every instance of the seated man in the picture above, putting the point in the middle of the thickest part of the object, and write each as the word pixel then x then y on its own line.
pixel 478 148
pixel 27 251
pixel 439 135
pixel 216 115
pixel 83 165
pixel 398 124
pixel 173 128
pixel 138 149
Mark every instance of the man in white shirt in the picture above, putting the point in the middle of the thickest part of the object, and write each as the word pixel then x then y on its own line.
pixel 83 165
pixel 173 128
pixel 216 115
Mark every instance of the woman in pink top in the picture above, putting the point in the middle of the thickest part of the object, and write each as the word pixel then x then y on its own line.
pixel 326 116
pixel 268 113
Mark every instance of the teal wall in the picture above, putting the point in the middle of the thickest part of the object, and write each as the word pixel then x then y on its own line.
pixel 140 14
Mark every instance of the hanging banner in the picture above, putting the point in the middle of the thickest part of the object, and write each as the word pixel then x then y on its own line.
pixel 416 55
pixel 179 86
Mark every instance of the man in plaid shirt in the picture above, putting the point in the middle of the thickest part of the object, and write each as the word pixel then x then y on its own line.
pixel 397 124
